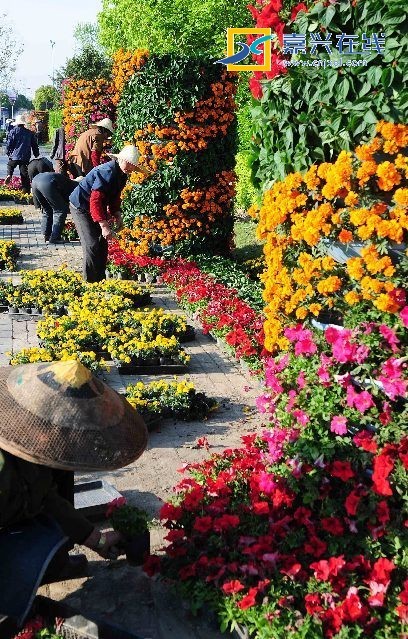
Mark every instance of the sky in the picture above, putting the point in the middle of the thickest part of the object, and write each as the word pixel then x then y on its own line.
pixel 35 23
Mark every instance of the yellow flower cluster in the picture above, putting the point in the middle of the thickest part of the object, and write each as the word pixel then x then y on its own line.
pixel 10 216
pixel 9 252
pixel 354 199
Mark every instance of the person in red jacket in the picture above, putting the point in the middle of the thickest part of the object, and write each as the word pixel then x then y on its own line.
pixel 95 200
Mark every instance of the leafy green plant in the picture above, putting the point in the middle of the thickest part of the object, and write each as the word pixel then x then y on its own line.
pixel 126 519
pixel 310 114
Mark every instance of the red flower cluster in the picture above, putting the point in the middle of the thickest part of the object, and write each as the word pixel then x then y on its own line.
pixel 269 14
pixel 219 309
pixel 239 524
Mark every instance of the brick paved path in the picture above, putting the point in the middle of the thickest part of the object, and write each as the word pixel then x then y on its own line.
pixel 115 591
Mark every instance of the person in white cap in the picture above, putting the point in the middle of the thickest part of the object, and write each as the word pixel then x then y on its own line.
pixel 89 146
pixel 20 143
pixel 94 201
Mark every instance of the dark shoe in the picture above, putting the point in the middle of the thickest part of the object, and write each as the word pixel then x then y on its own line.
pixel 59 241
pixel 46 238
pixel 75 567
pixel 7 180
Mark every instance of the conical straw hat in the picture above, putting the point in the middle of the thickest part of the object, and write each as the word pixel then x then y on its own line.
pixel 60 415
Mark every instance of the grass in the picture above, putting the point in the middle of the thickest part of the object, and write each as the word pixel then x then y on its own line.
pixel 247 247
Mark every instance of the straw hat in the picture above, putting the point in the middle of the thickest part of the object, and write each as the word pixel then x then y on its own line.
pixel 106 123
pixel 60 415
pixel 20 120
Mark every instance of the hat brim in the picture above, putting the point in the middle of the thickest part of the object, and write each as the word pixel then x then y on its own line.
pixel 39 441
pixel 108 128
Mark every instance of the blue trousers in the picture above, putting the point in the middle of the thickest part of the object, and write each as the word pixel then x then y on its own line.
pixel 53 202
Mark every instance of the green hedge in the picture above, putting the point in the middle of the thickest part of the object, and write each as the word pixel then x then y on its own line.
pixel 165 86
pixel 54 122
pixel 310 114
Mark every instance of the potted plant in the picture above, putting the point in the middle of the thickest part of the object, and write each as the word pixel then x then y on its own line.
pixel 133 524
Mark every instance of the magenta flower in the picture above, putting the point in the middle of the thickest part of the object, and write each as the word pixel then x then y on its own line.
pixel 389 336
pixel 362 401
pixel 404 315
pixel 338 425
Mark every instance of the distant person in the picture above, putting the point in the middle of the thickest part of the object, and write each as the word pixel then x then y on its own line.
pixel 58 151
pixel 39 129
pixel 95 199
pixel 89 146
pixel 20 143
pixel 51 193
pixel 9 126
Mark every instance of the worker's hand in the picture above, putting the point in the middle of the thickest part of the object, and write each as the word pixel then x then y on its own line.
pixel 106 544
pixel 106 230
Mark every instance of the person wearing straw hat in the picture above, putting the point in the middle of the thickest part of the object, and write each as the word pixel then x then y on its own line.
pixel 94 201
pixel 57 418
pixel 20 143
pixel 89 146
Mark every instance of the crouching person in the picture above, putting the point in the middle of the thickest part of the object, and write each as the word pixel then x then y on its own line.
pixel 51 193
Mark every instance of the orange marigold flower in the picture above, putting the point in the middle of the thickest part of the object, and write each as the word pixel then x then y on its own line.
pixel 352 298
pixel 401 197
pixel 351 199
pixel 388 176
pixel 345 236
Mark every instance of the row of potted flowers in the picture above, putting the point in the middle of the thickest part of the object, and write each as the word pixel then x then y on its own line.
pixel 10 216
pixel 9 253
pixel 218 307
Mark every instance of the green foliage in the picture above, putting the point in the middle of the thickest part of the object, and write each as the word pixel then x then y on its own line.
pixel 190 27
pixel 54 122
pixel 247 247
pixel 86 35
pixel 22 102
pixel 311 114
pixel 46 97
pixel 89 64
pixel 10 51
pixel 246 194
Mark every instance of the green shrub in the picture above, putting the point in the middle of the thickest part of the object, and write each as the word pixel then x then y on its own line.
pixel 175 109
pixel 54 122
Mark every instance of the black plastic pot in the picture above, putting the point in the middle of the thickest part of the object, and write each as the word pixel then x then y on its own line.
pixel 137 548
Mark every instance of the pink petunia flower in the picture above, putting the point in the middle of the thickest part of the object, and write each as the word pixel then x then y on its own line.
pixel 338 425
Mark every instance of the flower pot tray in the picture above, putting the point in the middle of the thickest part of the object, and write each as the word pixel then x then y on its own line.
pixel 78 626
pixel 154 369
pixel 188 335
pixel 91 498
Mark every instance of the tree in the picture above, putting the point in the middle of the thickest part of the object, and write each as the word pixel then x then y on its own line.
pixel 10 50
pixel 86 36
pixel 190 27
pixel 89 64
pixel 22 102
pixel 46 97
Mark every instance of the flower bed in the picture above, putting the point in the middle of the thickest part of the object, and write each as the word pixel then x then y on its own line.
pixel 10 216
pixel 9 253
pixel 360 198
pixel 178 399
pixel 301 532
pixel 219 308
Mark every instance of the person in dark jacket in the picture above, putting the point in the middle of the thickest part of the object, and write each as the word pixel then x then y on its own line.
pixel 58 151
pixel 39 165
pixel 96 198
pixel 51 193
pixel 57 418
pixel 20 143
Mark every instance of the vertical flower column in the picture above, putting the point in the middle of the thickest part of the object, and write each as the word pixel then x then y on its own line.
pixel 181 115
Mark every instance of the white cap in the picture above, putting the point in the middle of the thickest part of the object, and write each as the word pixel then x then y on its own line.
pixel 20 119
pixel 129 153
pixel 106 123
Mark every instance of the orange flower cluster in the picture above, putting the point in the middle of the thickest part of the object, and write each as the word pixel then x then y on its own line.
pixel 193 130
pixel 356 198
pixel 194 213
pixel 84 102
pixel 125 64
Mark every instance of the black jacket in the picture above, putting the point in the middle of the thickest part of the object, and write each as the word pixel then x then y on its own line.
pixel 58 147
pixel 39 165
